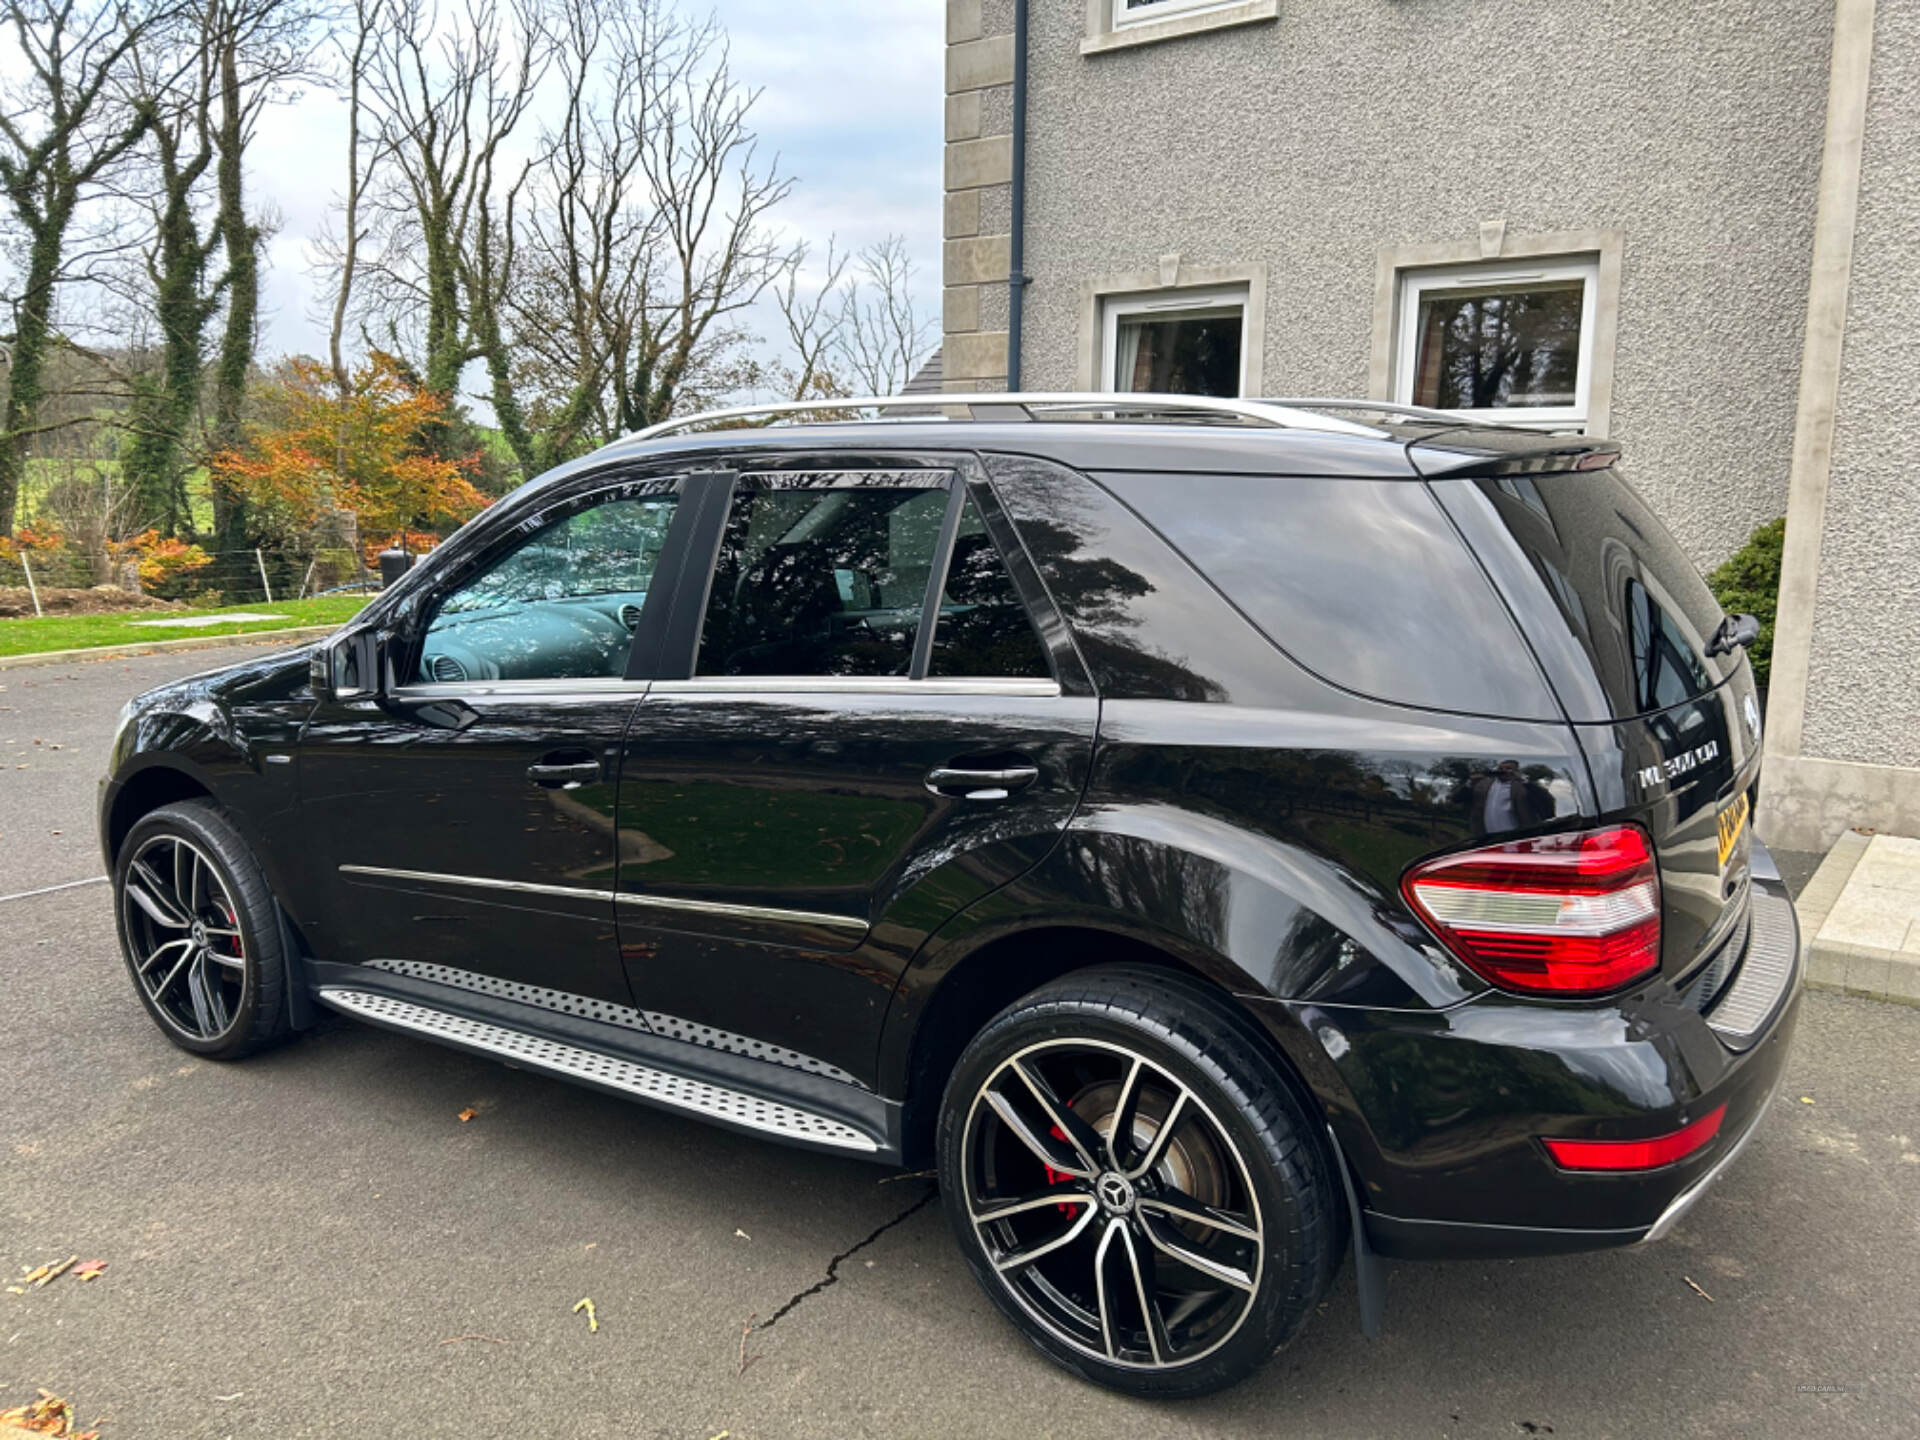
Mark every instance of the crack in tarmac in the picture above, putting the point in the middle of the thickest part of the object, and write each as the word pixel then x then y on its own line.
pixel 832 1277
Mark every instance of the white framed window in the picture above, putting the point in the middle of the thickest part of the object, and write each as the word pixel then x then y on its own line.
pixel 1175 342
pixel 1512 340
pixel 1136 12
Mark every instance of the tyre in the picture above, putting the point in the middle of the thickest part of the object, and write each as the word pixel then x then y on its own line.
pixel 1136 1185
pixel 200 932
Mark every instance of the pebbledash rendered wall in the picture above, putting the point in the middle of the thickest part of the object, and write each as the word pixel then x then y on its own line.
pixel 1303 148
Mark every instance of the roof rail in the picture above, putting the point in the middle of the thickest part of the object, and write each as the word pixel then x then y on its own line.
pixel 1033 406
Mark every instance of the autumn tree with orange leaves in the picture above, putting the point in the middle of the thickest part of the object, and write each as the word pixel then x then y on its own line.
pixel 367 451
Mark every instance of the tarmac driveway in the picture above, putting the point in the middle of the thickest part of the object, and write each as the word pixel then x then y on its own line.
pixel 313 1243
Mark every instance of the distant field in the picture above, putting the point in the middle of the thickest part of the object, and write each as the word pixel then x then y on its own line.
pixel 34 636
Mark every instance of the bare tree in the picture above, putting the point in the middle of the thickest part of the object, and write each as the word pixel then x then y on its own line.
pixel 446 99
pixel 64 124
pixel 644 240
pixel 367 16
pixel 813 327
pixel 883 337
pixel 859 332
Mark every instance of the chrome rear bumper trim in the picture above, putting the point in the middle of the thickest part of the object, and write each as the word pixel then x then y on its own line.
pixel 1686 1199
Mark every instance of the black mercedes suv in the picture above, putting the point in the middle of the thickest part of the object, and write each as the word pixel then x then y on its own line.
pixel 1211 834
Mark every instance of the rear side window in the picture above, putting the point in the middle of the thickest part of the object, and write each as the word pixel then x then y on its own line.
pixel 1363 582
pixel 813 580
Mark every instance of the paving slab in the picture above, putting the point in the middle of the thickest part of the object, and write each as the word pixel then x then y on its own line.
pixel 1860 918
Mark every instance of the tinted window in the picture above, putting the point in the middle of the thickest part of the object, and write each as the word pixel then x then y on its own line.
pixel 1364 582
pixel 821 579
pixel 562 605
pixel 983 630
pixel 1634 612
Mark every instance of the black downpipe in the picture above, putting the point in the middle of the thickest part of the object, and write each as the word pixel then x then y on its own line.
pixel 1017 246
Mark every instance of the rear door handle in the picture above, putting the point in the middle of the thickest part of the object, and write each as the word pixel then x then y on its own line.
pixel 569 776
pixel 981 784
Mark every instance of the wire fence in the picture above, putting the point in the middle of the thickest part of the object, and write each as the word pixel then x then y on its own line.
pixel 49 577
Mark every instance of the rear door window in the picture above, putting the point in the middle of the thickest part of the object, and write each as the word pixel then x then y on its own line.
pixel 823 575
pixel 984 630
pixel 1364 582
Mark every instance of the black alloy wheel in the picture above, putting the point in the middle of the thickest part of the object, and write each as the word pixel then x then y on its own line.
pixel 200 932
pixel 1138 1190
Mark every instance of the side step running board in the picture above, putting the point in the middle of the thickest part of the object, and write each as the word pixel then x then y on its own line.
pixel 605 1072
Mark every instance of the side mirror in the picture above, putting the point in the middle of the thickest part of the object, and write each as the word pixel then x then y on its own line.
pixel 347 667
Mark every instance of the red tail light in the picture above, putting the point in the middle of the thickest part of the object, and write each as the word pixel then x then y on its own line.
pixel 1560 914
pixel 1636 1154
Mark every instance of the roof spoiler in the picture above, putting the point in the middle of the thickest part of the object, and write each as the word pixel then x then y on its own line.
pixel 1473 452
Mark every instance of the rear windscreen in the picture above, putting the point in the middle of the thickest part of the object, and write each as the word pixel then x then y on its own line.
pixel 1364 582
pixel 1628 595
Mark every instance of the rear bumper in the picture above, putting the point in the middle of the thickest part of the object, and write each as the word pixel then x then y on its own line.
pixel 1440 1116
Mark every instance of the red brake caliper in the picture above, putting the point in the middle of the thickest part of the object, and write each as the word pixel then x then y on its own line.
pixel 1058 1177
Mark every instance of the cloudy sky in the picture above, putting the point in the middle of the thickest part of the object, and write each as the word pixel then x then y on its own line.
pixel 851 103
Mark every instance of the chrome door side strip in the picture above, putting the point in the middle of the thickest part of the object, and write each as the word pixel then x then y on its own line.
pixel 478 882
pixel 845 924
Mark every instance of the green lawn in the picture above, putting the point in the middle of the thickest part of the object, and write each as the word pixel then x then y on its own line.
pixel 34 636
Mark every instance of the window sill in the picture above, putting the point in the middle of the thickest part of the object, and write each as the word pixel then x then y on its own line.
pixel 1174 27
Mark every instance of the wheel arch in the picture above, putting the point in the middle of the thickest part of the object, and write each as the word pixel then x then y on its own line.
pixel 962 987
pixel 143 792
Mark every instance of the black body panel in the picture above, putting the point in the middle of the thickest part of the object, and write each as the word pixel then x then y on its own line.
pixel 764 876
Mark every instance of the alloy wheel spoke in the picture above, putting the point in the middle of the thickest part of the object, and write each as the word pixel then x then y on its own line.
pixel 186 958
pixel 1102 1302
pixel 1001 1210
pixel 1020 1259
pixel 1120 1134
pixel 154 898
pixel 208 1011
pixel 1080 1135
pixel 1162 1136
pixel 1163 1239
pixel 228 962
pixel 1049 1154
pixel 1145 1287
pixel 153 960
pixel 1177 1205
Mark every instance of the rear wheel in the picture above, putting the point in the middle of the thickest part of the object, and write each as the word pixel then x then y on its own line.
pixel 1135 1184
pixel 200 932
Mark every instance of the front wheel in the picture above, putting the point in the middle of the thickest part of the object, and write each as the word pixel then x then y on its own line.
pixel 200 932
pixel 1135 1185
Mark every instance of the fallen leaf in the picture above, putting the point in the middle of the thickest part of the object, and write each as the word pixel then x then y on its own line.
pixel 1806 1100
pixel 15 1290
pixel 467 1114
pixel 54 1272
pixel 49 1415
pixel 1697 1290
pixel 593 1320
pixel 90 1270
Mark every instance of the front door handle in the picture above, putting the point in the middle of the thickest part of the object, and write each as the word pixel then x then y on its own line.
pixel 570 775
pixel 983 783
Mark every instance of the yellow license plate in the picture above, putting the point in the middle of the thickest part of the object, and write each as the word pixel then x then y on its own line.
pixel 1732 821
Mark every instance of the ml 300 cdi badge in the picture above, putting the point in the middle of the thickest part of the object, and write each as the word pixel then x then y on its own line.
pixel 1214 835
